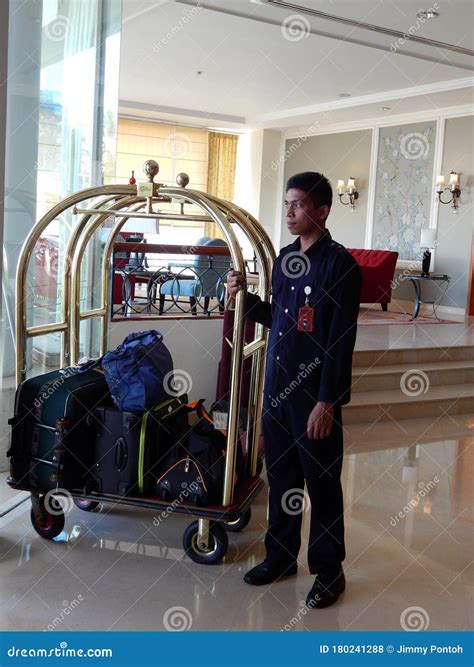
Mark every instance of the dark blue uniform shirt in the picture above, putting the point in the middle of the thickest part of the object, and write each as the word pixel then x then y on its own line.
pixel 313 365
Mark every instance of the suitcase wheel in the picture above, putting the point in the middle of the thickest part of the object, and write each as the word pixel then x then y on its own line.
pixel 52 521
pixel 213 552
pixel 164 491
pixel 92 421
pixel 91 485
pixel 86 505
pixel 239 524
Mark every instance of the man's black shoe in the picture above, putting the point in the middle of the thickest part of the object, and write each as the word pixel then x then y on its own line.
pixel 326 589
pixel 265 573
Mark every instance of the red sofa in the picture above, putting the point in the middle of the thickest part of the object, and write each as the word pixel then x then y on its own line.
pixel 378 268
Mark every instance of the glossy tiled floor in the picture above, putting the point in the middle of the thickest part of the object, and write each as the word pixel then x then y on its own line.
pixel 414 335
pixel 409 518
pixel 409 536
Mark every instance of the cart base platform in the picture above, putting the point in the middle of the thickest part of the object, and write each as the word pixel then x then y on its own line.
pixel 244 495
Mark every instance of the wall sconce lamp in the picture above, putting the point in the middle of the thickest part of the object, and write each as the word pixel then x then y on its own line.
pixel 452 187
pixel 427 241
pixel 351 192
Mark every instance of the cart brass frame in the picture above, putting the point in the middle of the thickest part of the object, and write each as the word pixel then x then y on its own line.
pixel 123 202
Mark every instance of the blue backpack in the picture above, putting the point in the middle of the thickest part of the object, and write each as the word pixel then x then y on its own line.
pixel 139 372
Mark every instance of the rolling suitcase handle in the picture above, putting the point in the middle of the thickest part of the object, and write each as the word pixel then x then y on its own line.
pixel 121 454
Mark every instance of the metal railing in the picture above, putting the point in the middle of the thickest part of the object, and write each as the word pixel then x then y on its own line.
pixel 122 202
pixel 152 279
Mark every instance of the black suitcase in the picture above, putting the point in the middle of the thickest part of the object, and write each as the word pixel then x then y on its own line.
pixel 195 468
pixel 184 480
pixel 53 429
pixel 129 448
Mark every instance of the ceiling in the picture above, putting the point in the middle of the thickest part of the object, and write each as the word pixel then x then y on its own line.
pixel 238 63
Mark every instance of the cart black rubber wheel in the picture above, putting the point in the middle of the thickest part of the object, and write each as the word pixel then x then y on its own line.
pixel 86 505
pixel 218 543
pixel 259 466
pixel 53 523
pixel 240 523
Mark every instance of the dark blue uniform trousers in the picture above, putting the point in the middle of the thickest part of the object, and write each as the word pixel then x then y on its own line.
pixel 292 458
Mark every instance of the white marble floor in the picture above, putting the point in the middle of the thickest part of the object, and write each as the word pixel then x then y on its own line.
pixel 414 335
pixel 409 517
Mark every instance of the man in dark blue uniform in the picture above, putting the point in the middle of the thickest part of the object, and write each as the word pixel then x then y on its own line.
pixel 313 323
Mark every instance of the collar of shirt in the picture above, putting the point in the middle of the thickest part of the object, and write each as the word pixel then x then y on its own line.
pixel 315 247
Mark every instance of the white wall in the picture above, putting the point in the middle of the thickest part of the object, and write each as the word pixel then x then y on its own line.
pixel 343 153
pixel 195 345
pixel 453 253
pixel 248 172
pixel 256 182
pixel 338 155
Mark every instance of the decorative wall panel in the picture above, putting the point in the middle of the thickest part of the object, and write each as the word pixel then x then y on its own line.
pixel 404 187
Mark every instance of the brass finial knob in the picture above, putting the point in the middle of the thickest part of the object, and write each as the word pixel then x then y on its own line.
pixel 151 168
pixel 182 179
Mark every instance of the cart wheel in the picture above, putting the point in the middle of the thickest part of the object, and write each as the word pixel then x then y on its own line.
pixel 86 505
pixel 53 522
pixel 259 466
pixel 216 549
pixel 240 523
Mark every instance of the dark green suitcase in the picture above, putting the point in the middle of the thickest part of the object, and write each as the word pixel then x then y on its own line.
pixel 53 429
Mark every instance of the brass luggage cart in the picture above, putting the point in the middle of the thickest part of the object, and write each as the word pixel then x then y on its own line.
pixel 205 540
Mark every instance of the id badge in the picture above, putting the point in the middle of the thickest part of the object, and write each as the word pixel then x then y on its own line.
pixel 306 319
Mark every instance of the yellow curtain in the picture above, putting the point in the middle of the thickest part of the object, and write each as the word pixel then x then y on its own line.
pixel 221 172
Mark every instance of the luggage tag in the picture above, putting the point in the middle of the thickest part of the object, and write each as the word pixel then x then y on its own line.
pixel 220 420
pixel 306 314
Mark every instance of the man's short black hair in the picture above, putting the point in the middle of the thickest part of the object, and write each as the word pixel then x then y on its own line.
pixel 315 185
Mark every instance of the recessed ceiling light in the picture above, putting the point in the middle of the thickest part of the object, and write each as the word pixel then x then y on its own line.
pixel 384 108
pixel 427 14
pixel 344 95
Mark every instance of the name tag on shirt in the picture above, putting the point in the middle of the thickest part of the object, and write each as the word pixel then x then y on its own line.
pixel 306 319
